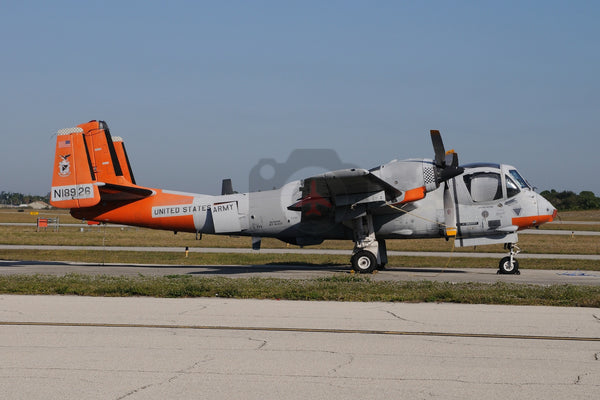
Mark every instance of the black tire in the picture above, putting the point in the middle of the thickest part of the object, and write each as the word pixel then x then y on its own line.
pixel 505 267
pixel 364 262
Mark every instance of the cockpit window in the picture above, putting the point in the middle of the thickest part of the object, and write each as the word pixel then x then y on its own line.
pixel 484 186
pixel 520 180
pixel 511 188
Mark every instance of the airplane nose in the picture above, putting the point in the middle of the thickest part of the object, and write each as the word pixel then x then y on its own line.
pixel 545 208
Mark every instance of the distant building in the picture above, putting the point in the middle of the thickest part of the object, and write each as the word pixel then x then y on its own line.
pixel 39 205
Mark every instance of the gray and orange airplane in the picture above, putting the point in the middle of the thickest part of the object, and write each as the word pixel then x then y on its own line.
pixel 477 204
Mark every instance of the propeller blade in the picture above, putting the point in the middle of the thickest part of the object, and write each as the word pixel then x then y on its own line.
pixel 438 148
pixel 454 163
pixel 451 159
pixel 449 212
pixel 446 163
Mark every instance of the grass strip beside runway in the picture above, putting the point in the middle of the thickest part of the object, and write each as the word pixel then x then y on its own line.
pixel 336 288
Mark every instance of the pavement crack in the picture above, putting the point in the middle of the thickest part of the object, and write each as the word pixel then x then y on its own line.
pixel 400 318
pixel 177 375
pixel 597 356
pixel 580 377
pixel 193 310
pixel 187 370
pixel 596 317
pixel 344 364
pixel 262 342
pixel 134 391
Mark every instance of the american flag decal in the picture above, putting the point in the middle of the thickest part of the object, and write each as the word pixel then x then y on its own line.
pixel 64 143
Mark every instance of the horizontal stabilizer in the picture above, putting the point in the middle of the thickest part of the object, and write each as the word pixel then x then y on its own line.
pixel 112 192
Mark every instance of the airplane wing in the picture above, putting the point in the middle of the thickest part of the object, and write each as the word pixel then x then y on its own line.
pixel 355 189
pixel 353 181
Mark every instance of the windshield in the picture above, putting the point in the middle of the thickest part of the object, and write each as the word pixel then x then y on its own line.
pixel 511 187
pixel 522 182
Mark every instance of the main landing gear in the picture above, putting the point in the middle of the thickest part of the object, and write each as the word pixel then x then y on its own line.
pixel 509 265
pixel 369 253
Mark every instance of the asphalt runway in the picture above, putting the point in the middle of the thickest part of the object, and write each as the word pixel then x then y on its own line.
pixel 144 348
pixel 484 275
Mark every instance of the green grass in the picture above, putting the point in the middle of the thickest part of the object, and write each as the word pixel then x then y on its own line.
pixel 335 288
pixel 339 287
pixel 579 244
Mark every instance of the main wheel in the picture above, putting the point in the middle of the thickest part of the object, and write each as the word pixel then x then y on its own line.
pixel 364 262
pixel 506 267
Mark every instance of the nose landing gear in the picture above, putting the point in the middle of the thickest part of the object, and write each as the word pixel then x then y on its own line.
pixel 509 265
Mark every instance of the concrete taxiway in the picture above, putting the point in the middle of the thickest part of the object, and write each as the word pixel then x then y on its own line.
pixel 145 348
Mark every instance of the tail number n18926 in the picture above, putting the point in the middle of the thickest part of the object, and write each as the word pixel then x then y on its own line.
pixel 72 192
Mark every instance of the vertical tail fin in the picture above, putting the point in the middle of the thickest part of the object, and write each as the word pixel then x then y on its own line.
pixel 103 156
pixel 73 175
pixel 123 159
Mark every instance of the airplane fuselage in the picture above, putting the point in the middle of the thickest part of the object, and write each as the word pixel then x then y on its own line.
pixel 266 214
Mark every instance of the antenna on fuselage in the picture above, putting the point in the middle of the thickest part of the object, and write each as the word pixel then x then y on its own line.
pixel 227 187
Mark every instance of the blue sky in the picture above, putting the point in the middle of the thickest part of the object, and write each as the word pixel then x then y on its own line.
pixel 202 91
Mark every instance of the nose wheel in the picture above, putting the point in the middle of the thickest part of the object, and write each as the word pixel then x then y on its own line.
pixel 509 264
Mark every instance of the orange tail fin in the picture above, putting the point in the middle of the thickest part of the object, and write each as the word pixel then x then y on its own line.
pixel 88 168
pixel 103 156
pixel 123 159
pixel 73 176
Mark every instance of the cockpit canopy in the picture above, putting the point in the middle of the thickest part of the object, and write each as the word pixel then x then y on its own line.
pixel 489 182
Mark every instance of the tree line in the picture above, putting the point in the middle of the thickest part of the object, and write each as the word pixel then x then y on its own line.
pixel 15 199
pixel 570 201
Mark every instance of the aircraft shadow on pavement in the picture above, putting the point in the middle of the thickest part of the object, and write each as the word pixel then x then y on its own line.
pixel 264 268
pixel 16 263
pixel 429 270
pixel 228 269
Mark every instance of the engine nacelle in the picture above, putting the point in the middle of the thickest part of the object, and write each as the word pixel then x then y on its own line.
pixel 413 177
